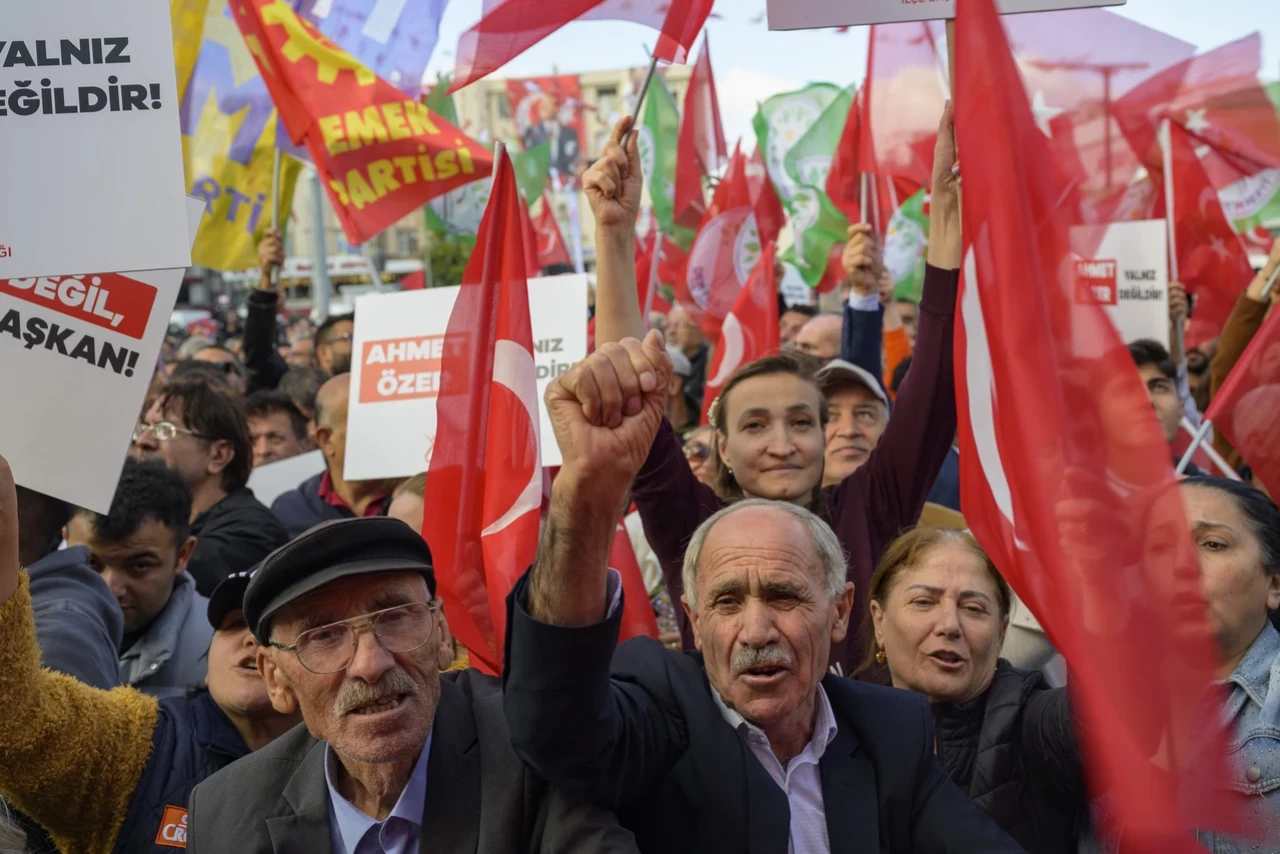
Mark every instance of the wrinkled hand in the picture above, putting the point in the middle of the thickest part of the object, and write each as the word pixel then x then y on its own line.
pixel 270 256
pixel 606 411
pixel 861 260
pixel 8 532
pixel 614 182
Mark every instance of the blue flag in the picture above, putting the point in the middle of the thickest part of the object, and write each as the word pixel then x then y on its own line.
pixel 394 38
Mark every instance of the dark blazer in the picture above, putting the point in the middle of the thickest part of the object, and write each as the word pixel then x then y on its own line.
pixel 479 797
pixel 650 742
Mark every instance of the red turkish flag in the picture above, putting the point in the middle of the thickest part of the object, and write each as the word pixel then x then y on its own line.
pixel 645 248
pixel 380 155
pixel 749 331
pixel 701 149
pixel 1245 408
pixel 723 253
pixel 1211 260
pixel 484 483
pixel 508 28
pixel 552 250
pixel 770 216
pixel 1065 476
pixel 1215 97
pixel 637 613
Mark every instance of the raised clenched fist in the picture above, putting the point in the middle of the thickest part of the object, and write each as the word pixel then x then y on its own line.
pixel 606 411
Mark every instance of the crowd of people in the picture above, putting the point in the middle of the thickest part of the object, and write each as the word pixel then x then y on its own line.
pixel 840 666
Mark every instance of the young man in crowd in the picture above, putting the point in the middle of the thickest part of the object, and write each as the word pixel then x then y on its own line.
pixel 201 432
pixel 276 427
pixel 1160 378
pixel 141 549
pixel 78 623
pixel 329 495
pixel 333 344
pixel 687 337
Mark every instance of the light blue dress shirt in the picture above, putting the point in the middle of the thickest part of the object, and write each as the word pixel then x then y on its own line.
pixel 353 832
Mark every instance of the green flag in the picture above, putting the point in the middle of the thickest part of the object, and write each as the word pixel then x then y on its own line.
pixel 905 245
pixel 532 168
pixel 440 102
pixel 807 144
pixel 458 213
pixel 659 137
pixel 782 122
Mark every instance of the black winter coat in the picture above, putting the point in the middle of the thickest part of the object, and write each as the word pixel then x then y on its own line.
pixel 232 536
pixel 1014 752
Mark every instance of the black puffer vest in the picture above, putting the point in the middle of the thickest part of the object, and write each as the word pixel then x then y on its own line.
pixel 1012 750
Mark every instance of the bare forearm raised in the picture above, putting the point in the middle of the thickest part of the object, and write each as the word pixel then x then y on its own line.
pixel 617 293
pixel 568 584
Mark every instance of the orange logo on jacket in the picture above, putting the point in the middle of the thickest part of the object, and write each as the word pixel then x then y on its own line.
pixel 173 828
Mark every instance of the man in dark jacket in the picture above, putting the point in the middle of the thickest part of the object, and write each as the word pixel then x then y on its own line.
pixel 201 432
pixel 78 623
pixel 393 755
pixel 745 745
pixel 329 495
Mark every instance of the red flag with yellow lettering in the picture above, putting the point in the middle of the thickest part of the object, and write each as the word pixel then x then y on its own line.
pixel 380 155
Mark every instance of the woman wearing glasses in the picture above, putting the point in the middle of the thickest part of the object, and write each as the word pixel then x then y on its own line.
pixel 770 416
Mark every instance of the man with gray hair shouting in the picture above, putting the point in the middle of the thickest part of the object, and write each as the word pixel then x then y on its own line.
pixel 744 745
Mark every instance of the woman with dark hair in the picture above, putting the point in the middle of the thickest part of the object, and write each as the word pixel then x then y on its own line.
pixel 939 613
pixel 771 415
pixel 1236 531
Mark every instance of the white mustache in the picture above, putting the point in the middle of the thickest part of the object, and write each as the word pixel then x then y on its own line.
pixel 357 693
pixel 751 656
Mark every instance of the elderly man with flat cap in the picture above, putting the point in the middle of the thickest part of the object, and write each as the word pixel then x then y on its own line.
pixel 392 756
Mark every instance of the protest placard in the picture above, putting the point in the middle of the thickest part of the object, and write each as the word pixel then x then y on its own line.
pixel 92 167
pixel 79 352
pixel 1128 273
pixel 813 14
pixel 395 370
pixel 268 482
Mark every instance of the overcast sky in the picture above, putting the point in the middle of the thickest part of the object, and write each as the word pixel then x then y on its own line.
pixel 751 63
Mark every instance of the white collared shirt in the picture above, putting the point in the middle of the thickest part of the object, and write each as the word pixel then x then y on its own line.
pixel 801 780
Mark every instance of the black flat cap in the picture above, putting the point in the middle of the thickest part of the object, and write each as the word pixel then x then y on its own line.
pixel 228 596
pixel 330 551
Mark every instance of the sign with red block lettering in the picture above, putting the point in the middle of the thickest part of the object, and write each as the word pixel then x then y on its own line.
pixel 814 14
pixel 395 370
pixel 79 353
pixel 1128 274
pixel 92 169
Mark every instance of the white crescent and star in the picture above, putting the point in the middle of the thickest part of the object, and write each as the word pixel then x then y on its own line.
pixel 513 368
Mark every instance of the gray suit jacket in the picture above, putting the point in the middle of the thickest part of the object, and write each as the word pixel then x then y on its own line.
pixel 480 798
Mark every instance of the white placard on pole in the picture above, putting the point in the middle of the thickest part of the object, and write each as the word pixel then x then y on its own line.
pixel 814 14
pixel 92 166
pixel 395 370
pixel 79 353
pixel 1128 273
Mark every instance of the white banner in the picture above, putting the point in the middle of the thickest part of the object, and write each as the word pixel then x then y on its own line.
pixel 92 166
pixel 79 353
pixel 391 419
pixel 813 14
pixel 1129 274
pixel 272 480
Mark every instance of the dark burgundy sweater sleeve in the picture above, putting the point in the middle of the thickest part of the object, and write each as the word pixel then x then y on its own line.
pixel 887 493
pixel 672 504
